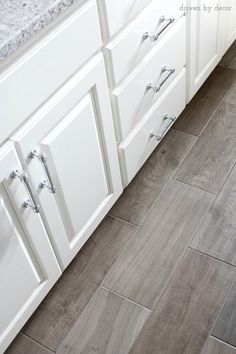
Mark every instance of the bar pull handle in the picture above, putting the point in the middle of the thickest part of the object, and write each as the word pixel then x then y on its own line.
pixel 48 183
pixel 166 127
pixel 155 37
pixel 157 88
pixel 30 202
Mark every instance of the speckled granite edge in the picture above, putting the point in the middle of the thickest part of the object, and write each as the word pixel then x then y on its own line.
pixel 20 20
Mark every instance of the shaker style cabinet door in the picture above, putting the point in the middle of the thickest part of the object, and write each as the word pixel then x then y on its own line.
pixel 28 267
pixel 69 151
pixel 204 50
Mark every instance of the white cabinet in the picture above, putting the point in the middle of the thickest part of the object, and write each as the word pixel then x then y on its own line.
pixel 28 267
pixel 211 30
pixel 137 39
pixel 116 14
pixel 142 88
pixel 74 131
pixel 229 22
pixel 37 74
pixel 139 145
pixel 204 49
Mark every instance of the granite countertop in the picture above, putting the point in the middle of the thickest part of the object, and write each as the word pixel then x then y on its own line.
pixel 21 19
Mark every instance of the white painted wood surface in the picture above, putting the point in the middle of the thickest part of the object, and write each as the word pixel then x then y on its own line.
pixel 138 146
pixel 43 69
pixel 116 14
pixel 211 30
pixel 131 100
pixel 28 267
pixel 229 23
pixel 75 131
pixel 126 50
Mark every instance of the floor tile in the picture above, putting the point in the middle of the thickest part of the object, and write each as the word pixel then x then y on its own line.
pixel 231 95
pixel 214 346
pixel 200 109
pixel 216 235
pixel 143 269
pixel 213 155
pixel 66 301
pixel 110 324
pixel 225 328
pixel 24 345
pixel 229 59
pixel 184 315
pixel 139 196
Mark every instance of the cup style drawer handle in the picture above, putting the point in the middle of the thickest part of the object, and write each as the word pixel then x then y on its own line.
pixel 155 37
pixel 162 133
pixel 157 88
pixel 30 202
pixel 48 183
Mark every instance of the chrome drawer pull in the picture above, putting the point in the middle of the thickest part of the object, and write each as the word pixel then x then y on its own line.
pixel 155 37
pixel 157 88
pixel 48 183
pixel 162 133
pixel 25 180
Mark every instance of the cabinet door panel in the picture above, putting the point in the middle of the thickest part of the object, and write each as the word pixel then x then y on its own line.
pixel 204 42
pixel 28 267
pixel 18 267
pixel 75 131
pixel 74 150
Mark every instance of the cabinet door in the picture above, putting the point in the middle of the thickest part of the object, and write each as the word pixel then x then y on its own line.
pixel 204 42
pixel 28 267
pixel 74 131
pixel 228 22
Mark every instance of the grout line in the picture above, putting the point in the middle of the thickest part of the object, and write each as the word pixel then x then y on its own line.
pixel 220 188
pixel 145 218
pixel 180 259
pixel 221 309
pixel 197 187
pixel 212 257
pixel 165 185
pixel 205 126
pixel 178 262
pixel 125 298
pixel 223 342
pixel 168 181
pixel 37 342
pixel 226 295
pixel 88 304
pixel 123 220
pixel 226 177
pixel 79 317
pixel 184 253
pixel 183 131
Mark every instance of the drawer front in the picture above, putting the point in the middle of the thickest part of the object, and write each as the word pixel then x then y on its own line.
pixel 135 150
pixel 132 44
pixel 132 99
pixel 116 14
pixel 42 70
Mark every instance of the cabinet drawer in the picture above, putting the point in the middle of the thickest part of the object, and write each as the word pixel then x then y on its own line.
pixel 116 14
pixel 132 99
pixel 135 150
pixel 43 69
pixel 132 44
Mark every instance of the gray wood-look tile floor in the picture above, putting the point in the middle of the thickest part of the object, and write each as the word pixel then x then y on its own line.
pixel 159 274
